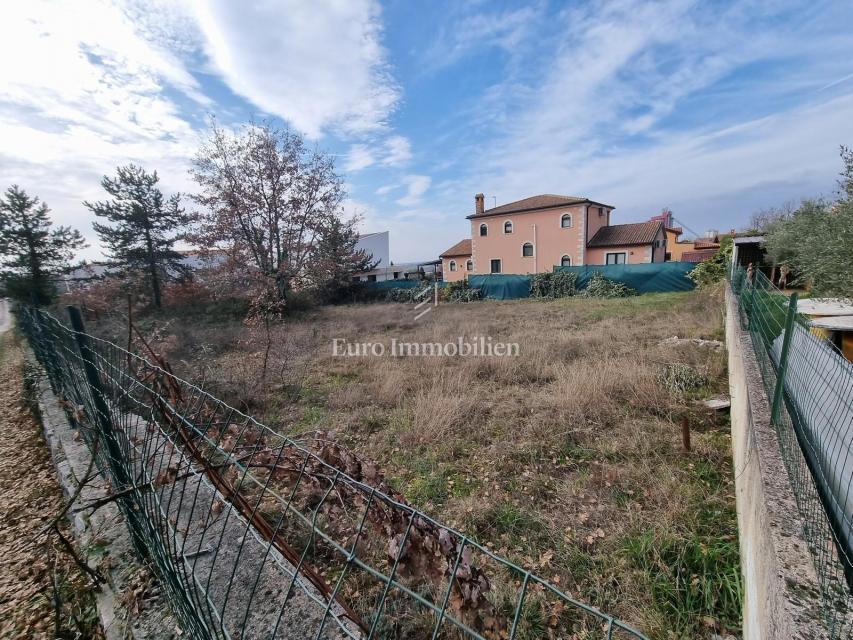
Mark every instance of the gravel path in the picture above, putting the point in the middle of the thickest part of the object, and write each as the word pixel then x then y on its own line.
pixel 33 569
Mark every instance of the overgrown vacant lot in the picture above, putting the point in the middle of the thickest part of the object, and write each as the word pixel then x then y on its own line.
pixel 567 459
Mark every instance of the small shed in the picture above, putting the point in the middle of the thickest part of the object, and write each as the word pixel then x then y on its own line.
pixel 748 250
pixel 819 307
pixel 832 320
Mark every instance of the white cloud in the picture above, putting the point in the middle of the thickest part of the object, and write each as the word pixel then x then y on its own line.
pixel 386 189
pixel 469 33
pixel 317 64
pixel 359 157
pixel 391 152
pixel 81 91
pixel 652 104
pixel 416 187
pixel 398 150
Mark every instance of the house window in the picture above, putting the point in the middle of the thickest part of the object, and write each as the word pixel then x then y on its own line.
pixel 566 261
pixel 495 266
pixel 566 221
pixel 484 229
pixel 600 212
pixel 469 266
pixel 615 258
pixel 508 226
pixel 396 275
pixel 371 278
pixel 453 265
pixel 527 250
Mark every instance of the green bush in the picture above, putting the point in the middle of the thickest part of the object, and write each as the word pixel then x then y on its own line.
pixel 681 378
pixel 459 291
pixel 561 284
pixel 714 270
pixel 602 287
pixel 402 295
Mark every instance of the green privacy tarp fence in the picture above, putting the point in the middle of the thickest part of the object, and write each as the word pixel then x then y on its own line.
pixel 501 286
pixel 384 285
pixel 653 277
pixel 643 278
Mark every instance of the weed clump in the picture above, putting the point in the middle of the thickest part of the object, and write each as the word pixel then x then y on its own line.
pixel 681 378
pixel 459 291
pixel 562 284
pixel 602 287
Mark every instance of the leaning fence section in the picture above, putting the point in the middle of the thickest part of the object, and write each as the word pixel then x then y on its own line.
pixel 809 385
pixel 253 535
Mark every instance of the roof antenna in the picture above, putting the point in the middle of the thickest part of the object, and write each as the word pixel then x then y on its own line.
pixel 495 200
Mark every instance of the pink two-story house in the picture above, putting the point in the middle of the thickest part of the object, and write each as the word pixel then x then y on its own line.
pixel 535 234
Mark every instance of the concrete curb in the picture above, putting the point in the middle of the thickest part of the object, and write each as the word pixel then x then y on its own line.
pixel 781 589
pixel 102 535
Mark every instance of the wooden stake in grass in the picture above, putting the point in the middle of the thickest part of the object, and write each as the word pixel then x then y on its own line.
pixel 685 433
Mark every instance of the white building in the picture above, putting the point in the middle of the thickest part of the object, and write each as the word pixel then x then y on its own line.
pixel 377 245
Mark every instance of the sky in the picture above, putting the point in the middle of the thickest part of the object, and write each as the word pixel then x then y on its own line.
pixel 713 109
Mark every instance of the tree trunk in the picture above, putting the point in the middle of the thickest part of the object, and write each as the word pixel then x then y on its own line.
pixel 281 286
pixel 152 268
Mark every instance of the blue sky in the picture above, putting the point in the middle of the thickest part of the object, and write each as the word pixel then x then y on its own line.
pixel 714 109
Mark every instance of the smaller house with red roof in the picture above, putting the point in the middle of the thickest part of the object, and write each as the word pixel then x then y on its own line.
pixel 456 262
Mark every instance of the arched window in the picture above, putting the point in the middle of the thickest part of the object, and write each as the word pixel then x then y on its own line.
pixel 566 261
pixel 527 250
pixel 566 220
pixel 508 226
pixel 453 265
pixel 484 229
pixel 469 266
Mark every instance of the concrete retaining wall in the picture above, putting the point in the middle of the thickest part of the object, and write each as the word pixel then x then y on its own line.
pixel 780 584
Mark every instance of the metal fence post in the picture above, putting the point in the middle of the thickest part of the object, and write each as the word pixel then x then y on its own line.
pixel 782 369
pixel 45 348
pixel 99 399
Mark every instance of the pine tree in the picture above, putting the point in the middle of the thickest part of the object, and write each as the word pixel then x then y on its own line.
pixel 145 228
pixel 335 260
pixel 33 253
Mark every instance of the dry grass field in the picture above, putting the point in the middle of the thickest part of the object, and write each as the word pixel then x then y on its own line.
pixel 566 459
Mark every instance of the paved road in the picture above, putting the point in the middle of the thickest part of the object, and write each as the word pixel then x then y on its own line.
pixel 5 316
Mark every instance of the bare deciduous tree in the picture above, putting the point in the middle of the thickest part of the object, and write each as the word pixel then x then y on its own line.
pixel 268 199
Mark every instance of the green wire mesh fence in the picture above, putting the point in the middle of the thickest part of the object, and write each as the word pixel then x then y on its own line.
pixel 255 536
pixel 809 384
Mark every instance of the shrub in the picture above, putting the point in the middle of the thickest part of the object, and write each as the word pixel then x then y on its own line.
pixel 405 296
pixel 602 287
pixel 553 285
pixel 714 270
pixel 680 378
pixel 459 291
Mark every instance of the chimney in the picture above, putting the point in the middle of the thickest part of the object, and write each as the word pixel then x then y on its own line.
pixel 479 203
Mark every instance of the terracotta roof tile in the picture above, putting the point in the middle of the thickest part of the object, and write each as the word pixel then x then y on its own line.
pixel 626 234
pixel 698 256
pixel 533 203
pixel 703 243
pixel 461 248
